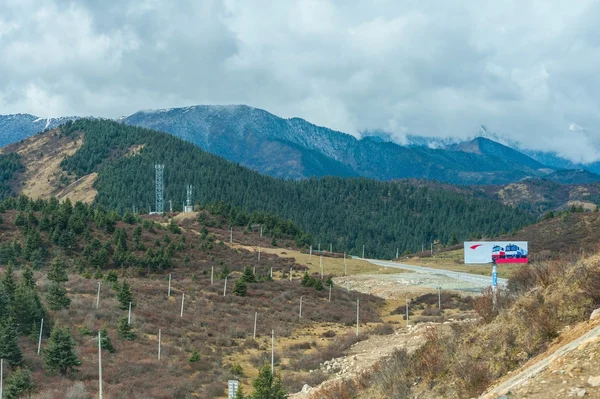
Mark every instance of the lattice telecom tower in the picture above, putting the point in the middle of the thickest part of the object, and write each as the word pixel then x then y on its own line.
pixel 160 188
pixel 189 207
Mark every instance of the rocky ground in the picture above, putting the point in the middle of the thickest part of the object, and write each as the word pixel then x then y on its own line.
pixel 363 355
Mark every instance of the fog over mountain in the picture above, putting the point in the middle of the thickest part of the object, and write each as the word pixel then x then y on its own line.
pixel 526 70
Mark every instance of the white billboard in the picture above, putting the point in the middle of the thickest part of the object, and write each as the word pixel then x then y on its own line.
pixel 478 252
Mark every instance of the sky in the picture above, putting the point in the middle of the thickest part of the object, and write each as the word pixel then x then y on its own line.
pixel 527 70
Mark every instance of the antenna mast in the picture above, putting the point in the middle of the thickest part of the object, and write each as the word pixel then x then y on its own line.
pixel 160 187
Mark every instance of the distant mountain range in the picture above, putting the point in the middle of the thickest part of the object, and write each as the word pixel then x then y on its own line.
pixel 14 128
pixel 295 149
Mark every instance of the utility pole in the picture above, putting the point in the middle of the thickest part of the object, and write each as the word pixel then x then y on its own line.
pixel 255 319
pixel 363 251
pixel 330 248
pixel 261 231
pixel 259 253
pixel 300 314
pixel 182 300
pixel 330 293
pixel 231 235
pixel 397 253
pixel 159 344
pixel 97 298
pixel 212 274
pixel 129 317
pixel 273 352
pixel 291 272
pixel 225 287
pixel 357 314
pixel 406 300
pixel 40 340
pixel 321 260
pixel 319 247
pixel 99 366
pixel 169 290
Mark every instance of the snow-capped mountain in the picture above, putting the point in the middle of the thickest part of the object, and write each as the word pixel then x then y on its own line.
pixel 14 128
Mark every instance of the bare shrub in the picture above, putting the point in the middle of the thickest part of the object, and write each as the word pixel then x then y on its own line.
pixel 473 377
pixel 328 334
pixel 337 348
pixel 77 391
pixel 430 359
pixel 484 304
pixel 392 374
pixel 344 389
pixel 383 329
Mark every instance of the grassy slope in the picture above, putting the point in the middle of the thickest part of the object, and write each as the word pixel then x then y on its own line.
pixel 219 327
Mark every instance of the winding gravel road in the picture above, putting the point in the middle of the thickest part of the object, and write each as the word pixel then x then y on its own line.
pixel 477 282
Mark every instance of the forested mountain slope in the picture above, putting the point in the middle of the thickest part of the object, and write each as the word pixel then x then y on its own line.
pixel 349 213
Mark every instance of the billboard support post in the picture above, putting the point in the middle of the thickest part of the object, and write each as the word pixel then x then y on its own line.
pixel 495 285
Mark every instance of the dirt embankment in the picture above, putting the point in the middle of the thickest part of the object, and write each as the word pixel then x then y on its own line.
pixel 569 368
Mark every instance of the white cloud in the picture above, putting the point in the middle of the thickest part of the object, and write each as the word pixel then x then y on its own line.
pixel 526 70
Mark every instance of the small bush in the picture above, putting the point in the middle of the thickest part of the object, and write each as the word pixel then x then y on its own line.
pixel 383 329
pixel 194 357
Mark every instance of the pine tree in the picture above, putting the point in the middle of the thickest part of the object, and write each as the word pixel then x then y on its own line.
pixel 318 284
pixel 58 271
pixel 125 296
pixel 111 276
pixel 59 354
pixel 26 308
pixel 224 272
pixel 329 282
pixel 194 357
pixel 266 386
pixel 27 277
pixel 248 276
pixel 306 280
pixel 8 280
pixel 9 343
pixel 240 288
pixel 124 329
pixel 4 304
pixel 57 297
pixel 18 384
pixel 105 342
pixel 239 394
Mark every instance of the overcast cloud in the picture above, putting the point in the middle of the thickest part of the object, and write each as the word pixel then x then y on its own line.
pixel 527 70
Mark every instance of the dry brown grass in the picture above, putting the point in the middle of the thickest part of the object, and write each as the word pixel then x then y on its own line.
pixel 331 265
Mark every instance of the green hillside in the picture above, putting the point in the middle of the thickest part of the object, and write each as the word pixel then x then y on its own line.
pixel 349 213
